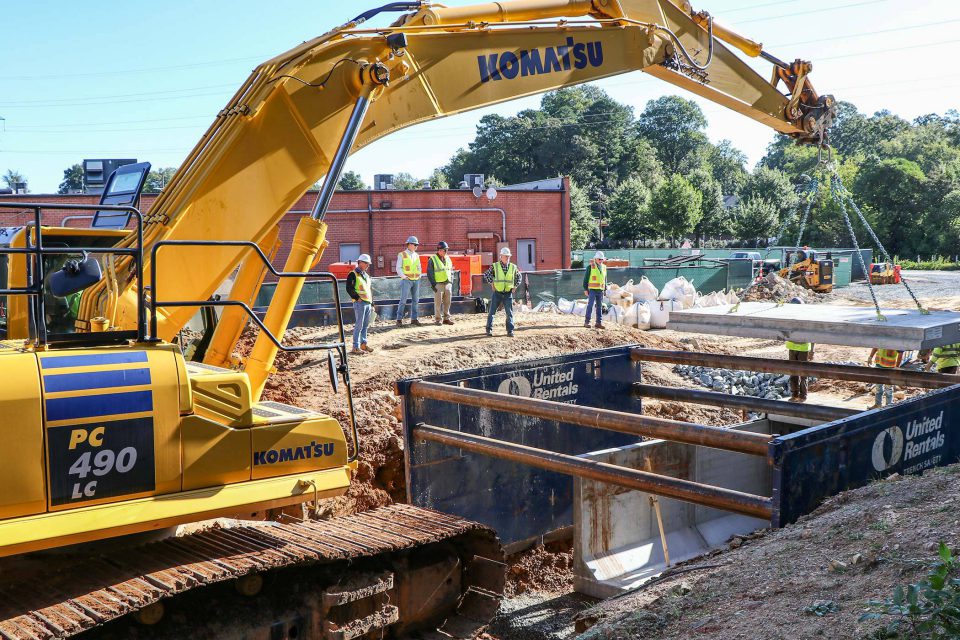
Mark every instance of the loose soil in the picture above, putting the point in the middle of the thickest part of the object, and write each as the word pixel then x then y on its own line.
pixel 768 581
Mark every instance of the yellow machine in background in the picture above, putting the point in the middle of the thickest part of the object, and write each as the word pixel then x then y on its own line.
pixel 112 430
pixel 810 271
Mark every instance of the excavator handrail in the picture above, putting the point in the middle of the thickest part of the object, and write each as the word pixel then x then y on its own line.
pixel 38 251
pixel 340 347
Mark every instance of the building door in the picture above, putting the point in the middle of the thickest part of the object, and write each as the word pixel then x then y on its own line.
pixel 349 252
pixel 527 255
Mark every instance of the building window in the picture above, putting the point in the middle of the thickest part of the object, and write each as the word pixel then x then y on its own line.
pixel 349 252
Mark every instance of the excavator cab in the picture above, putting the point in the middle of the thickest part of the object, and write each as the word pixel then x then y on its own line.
pixel 112 431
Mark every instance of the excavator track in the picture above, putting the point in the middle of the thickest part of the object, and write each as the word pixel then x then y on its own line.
pixel 389 571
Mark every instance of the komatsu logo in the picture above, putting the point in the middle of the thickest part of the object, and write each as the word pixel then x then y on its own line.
pixel 313 450
pixel 572 55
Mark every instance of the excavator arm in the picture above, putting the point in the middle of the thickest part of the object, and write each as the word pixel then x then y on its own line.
pixel 281 130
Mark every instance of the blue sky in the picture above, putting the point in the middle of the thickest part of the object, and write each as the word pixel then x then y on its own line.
pixel 144 80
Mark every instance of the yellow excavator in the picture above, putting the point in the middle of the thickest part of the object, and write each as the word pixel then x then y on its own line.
pixel 111 433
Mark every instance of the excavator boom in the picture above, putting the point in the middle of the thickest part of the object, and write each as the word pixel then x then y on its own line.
pixel 278 134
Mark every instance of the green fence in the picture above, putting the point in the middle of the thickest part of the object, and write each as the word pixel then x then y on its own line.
pixel 321 291
pixel 550 286
pixel 846 266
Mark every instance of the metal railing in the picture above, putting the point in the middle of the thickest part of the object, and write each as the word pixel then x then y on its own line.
pixel 340 346
pixel 36 275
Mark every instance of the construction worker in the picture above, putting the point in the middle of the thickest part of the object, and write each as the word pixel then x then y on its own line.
pixel 946 359
pixel 504 276
pixel 802 352
pixel 594 285
pixel 408 268
pixel 439 273
pixel 358 286
pixel 884 359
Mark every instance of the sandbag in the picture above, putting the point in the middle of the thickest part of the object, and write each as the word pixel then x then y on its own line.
pixel 638 315
pixel 643 290
pixel 679 289
pixel 660 312
pixel 614 315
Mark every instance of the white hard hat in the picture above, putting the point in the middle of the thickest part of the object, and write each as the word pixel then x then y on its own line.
pixel 505 251
pixel 364 257
pixel 599 256
pixel 413 240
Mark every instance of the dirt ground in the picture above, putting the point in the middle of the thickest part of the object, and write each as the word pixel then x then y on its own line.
pixel 769 580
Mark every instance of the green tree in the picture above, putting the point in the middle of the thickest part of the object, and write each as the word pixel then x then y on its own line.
pixel 158 179
pixel 351 181
pixel 12 178
pixel 438 180
pixel 403 181
pixel 629 212
pixel 583 225
pixel 773 186
pixel 891 191
pixel 72 180
pixel 715 219
pixel 726 162
pixel 675 127
pixel 756 220
pixel 676 208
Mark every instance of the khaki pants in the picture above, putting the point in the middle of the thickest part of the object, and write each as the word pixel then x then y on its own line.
pixel 442 298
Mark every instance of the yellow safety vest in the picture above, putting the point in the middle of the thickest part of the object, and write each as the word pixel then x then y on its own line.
pixel 799 346
pixel 886 358
pixel 503 281
pixel 411 265
pixel 441 269
pixel 598 277
pixel 363 287
pixel 947 356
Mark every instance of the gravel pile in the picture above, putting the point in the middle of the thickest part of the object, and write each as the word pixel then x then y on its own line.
pixel 771 386
pixel 773 287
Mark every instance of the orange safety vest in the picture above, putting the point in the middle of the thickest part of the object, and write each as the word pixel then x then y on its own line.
pixel 887 358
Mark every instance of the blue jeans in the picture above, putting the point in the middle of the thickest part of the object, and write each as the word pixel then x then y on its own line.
pixel 595 297
pixel 409 290
pixel 362 313
pixel 497 299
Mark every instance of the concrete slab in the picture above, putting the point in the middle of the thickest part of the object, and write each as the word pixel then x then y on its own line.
pixel 904 329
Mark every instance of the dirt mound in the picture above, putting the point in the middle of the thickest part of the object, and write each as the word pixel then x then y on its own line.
pixel 302 380
pixel 811 579
pixel 543 569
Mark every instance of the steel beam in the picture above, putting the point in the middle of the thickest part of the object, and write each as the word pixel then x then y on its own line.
pixel 873 375
pixel 647 426
pixel 750 403
pixel 687 490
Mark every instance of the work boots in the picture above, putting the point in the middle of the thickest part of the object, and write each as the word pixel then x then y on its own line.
pixel 415 322
pixel 366 347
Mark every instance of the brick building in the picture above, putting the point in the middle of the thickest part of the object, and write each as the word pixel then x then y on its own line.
pixel 533 219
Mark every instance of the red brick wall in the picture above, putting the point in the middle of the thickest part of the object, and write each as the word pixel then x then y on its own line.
pixel 539 215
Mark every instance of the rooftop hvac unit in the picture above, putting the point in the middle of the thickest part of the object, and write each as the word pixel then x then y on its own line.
pixel 383 182
pixel 473 180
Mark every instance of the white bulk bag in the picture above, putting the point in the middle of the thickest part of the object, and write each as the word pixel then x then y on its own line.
pixel 660 312
pixel 625 300
pixel 638 315
pixel 679 289
pixel 564 305
pixel 579 308
pixel 644 290
pixel 614 315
